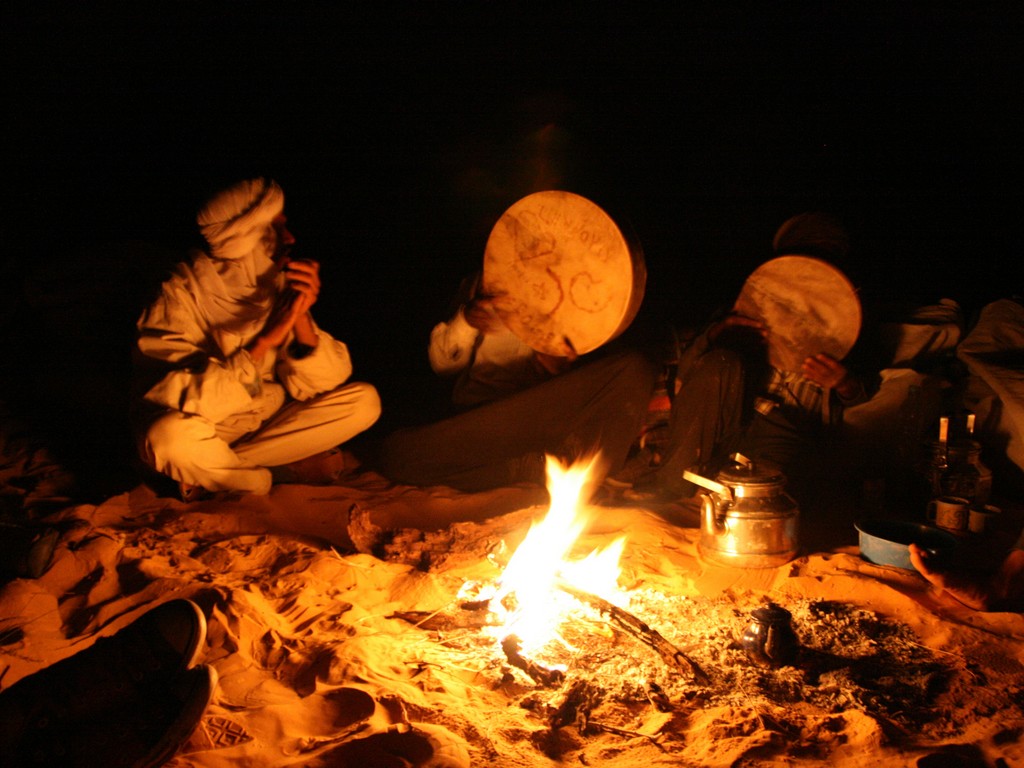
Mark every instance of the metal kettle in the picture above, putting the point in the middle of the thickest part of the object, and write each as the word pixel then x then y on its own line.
pixel 769 638
pixel 747 518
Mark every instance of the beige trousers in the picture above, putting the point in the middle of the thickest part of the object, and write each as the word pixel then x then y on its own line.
pixel 234 455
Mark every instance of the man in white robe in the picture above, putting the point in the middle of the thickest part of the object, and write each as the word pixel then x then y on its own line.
pixel 513 405
pixel 244 381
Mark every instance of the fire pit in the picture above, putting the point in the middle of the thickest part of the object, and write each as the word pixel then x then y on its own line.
pixel 643 665
pixel 329 659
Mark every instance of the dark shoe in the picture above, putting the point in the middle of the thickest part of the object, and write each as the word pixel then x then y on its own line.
pixel 171 635
pixel 26 552
pixel 656 493
pixel 190 696
pixel 143 731
pixel 116 671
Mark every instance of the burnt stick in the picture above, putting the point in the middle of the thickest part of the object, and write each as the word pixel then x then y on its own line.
pixel 638 629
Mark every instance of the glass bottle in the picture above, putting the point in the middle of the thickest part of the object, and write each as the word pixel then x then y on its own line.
pixel 938 471
pixel 983 492
pixel 974 479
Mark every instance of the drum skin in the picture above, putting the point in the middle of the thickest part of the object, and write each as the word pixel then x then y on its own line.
pixel 808 306
pixel 564 276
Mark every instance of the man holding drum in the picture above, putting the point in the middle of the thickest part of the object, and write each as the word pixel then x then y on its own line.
pixel 559 281
pixel 767 379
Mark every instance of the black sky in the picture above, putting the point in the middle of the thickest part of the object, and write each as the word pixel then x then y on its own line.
pixel 401 131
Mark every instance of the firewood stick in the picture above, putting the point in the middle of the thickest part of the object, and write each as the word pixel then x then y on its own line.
pixel 623 732
pixel 510 645
pixel 639 630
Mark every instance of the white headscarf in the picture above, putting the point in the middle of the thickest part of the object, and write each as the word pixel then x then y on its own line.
pixel 235 220
pixel 239 278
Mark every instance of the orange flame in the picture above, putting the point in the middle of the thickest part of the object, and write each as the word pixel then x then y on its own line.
pixel 528 601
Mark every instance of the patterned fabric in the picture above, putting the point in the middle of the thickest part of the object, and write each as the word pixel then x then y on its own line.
pixel 795 394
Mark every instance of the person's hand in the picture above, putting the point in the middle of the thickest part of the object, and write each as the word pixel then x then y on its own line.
pixel 302 277
pixel 973 591
pixel 828 373
pixel 481 313
pixel 287 309
pixel 291 310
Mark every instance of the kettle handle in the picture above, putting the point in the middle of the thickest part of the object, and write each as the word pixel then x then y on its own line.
pixel 742 460
pixel 711 485
pixel 770 641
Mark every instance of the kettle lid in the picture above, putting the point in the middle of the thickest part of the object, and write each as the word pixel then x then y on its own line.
pixel 745 472
pixel 771 614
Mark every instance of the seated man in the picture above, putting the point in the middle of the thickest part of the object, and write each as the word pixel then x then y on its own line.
pixel 243 383
pixel 487 360
pixel 993 353
pixel 516 405
pixel 728 398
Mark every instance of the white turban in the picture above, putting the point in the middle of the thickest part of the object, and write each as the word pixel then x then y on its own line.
pixel 239 280
pixel 236 220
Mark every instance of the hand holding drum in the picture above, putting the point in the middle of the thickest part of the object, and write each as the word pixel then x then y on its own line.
pixel 810 313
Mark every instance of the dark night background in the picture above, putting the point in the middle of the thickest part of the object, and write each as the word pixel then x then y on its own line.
pixel 400 132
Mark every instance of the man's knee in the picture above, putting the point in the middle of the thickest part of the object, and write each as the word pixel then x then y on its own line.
pixel 368 405
pixel 362 406
pixel 631 372
pixel 169 439
pixel 639 368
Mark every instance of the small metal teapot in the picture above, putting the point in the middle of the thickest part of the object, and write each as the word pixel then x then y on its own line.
pixel 769 638
pixel 747 518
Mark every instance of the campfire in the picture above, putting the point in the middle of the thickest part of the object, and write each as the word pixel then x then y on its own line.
pixel 324 657
pixel 543 587
pixel 529 601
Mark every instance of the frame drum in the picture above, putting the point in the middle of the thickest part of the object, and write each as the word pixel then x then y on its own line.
pixel 808 307
pixel 564 277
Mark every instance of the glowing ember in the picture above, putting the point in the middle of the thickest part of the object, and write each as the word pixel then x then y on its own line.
pixel 528 602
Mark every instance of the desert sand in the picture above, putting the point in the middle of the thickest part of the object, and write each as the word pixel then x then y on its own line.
pixel 330 656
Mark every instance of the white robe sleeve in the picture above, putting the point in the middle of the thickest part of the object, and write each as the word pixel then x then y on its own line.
pixel 994 352
pixel 200 381
pixel 326 367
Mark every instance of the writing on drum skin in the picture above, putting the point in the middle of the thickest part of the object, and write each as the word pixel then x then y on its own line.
pixel 797 326
pixel 573 226
pixel 529 243
pixel 542 290
pixel 532 243
pixel 557 271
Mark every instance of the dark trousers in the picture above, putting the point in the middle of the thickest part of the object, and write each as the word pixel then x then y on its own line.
pixel 599 406
pixel 706 419
pixel 713 417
